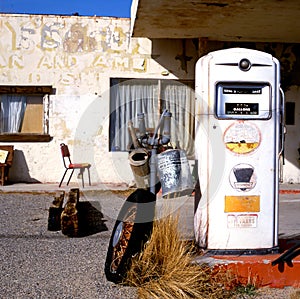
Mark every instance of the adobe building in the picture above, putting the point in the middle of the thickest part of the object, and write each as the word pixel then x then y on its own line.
pixel 79 80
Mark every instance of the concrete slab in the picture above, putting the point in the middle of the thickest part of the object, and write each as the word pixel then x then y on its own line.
pixel 257 270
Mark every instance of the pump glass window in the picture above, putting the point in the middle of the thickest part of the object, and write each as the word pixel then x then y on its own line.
pixel 243 101
pixel 128 97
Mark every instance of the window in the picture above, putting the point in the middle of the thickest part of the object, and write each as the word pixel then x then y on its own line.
pixel 290 113
pixel 24 113
pixel 132 96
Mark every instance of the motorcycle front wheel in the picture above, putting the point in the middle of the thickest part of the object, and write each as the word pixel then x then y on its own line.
pixel 131 231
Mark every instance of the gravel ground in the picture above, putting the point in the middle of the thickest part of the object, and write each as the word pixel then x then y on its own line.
pixel 37 263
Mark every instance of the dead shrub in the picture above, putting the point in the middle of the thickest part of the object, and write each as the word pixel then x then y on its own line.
pixel 165 268
pixel 295 295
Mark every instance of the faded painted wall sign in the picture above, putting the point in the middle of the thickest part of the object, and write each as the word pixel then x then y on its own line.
pixel 77 39
pixel 67 51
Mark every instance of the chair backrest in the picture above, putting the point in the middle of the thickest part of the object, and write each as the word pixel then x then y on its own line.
pixel 65 152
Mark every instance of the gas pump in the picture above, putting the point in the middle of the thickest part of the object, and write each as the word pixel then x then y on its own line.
pixel 239 119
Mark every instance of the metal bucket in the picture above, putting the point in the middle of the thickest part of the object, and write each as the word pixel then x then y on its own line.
pixel 139 163
pixel 174 173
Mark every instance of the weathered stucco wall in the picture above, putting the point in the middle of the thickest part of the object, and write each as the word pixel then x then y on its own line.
pixel 78 56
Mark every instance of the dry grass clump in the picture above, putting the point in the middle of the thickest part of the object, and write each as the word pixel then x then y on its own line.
pixel 295 295
pixel 165 268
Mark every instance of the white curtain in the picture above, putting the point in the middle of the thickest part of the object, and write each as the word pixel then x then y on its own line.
pixel 151 97
pixel 127 99
pixel 12 113
pixel 179 100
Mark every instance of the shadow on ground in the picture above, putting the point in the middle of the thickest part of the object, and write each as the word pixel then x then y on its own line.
pixel 90 218
pixel 87 219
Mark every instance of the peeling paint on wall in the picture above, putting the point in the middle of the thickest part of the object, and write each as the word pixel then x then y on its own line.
pixel 77 39
pixel 39 48
pixel 78 56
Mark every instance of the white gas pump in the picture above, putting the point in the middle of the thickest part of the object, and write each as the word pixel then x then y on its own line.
pixel 239 115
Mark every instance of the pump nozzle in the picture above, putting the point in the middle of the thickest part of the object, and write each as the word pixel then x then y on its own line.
pixel 166 132
pixel 142 126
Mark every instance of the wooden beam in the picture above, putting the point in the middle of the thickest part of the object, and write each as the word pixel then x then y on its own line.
pixel 7 89
pixel 202 46
pixel 15 137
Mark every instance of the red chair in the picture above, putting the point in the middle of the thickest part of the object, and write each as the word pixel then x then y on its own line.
pixel 69 165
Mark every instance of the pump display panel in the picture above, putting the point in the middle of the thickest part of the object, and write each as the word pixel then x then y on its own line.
pixel 242 108
pixel 243 101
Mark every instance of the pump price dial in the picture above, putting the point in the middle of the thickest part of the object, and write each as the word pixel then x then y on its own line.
pixel 242 137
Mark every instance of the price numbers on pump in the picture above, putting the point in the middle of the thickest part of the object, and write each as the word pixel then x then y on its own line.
pixel 242 108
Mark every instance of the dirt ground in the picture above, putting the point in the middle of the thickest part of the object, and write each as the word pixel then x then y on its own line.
pixel 271 293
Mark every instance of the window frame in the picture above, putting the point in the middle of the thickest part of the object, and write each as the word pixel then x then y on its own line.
pixel 160 100
pixel 43 91
pixel 290 113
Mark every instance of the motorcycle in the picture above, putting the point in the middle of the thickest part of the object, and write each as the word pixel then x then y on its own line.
pixel 134 223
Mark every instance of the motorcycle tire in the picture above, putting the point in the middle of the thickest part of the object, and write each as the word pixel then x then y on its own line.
pixel 131 231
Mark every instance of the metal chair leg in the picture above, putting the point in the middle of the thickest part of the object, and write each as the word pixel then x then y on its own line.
pixel 70 177
pixel 82 170
pixel 63 177
pixel 89 176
